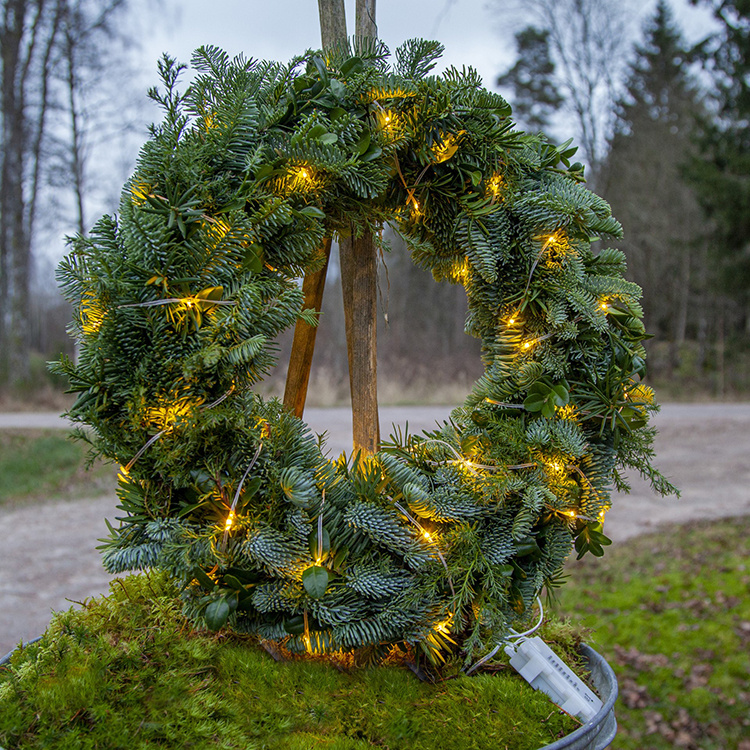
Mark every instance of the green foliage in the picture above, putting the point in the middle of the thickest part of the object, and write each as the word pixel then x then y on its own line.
pixel 720 175
pixel 127 671
pixel 178 300
pixel 531 78
pixel 545 398
pixel 672 617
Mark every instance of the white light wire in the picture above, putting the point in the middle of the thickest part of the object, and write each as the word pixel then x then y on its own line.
pixel 430 541
pixel 237 496
pixel 514 637
pixel 168 429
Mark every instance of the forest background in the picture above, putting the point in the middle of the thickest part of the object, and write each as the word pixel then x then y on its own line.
pixel 662 127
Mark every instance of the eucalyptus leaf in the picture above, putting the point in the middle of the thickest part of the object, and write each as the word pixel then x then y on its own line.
pixel 315 579
pixel 312 211
pixel 294 625
pixel 203 579
pixel 364 143
pixel 233 582
pixel 217 613
pixel 337 88
pixel 372 153
pixel 352 65
pixel 317 131
pixel 534 402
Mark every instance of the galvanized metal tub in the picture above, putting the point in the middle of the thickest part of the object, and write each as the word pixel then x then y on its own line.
pixel 598 733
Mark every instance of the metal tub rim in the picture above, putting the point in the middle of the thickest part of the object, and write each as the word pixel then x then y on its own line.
pixel 598 733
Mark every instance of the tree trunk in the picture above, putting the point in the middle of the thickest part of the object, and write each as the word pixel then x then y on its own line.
pixel 26 27
pixel 76 135
pixel 14 245
pixel 720 351
pixel 683 304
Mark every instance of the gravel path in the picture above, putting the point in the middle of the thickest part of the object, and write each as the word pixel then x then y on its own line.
pixel 48 557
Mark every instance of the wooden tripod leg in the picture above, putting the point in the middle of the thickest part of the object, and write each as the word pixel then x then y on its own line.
pixel 303 344
pixel 359 285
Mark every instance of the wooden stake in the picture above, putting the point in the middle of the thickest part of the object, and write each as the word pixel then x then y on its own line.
pixel 365 21
pixel 359 282
pixel 332 29
pixel 332 21
pixel 303 344
pixel 358 261
pixel 358 269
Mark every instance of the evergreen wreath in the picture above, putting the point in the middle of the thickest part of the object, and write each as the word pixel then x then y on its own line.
pixel 440 541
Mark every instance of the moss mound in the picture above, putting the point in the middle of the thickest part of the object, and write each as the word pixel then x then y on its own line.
pixel 128 671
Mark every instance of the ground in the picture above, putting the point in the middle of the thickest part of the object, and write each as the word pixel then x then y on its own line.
pixel 48 558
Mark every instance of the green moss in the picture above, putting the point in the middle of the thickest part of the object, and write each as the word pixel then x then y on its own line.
pixel 672 615
pixel 127 671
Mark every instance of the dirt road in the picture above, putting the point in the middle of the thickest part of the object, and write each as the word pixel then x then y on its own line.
pixel 48 556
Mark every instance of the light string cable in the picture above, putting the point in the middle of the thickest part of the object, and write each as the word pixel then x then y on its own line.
pixel 153 439
pixel 470 465
pixel 230 517
pixel 319 555
pixel 550 240
pixel 514 637
pixel 593 489
pixel 426 534
pixel 183 300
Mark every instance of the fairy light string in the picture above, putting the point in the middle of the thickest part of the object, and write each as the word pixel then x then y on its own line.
pixel 428 537
pixel 556 467
pixel 232 515
pixel 187 301
pixel 320 527
pixel 512 637
pixel 169 428
pixel 252 220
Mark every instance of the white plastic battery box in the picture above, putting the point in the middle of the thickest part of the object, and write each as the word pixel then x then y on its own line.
pixel 544 670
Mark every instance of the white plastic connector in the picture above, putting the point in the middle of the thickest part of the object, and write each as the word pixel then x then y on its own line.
pixel 544 670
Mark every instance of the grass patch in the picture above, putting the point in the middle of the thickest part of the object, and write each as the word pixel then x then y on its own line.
pixel 127 671
pixel 39 465
pixel 672 616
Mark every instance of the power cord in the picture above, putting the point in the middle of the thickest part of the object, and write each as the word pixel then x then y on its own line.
pixel 517 637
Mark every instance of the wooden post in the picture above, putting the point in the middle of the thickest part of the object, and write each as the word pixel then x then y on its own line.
pixel 359 283
pixel 358 261
pixel 303 344
pixel 365 22
pixel 332 21
pixel 332 29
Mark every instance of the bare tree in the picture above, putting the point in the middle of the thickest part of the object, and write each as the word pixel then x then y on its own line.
pixel 589 40
pixel 89 26
pixel 53 62
pixel 28 35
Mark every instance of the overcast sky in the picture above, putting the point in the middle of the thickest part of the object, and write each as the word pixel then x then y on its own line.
pixel 473 31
